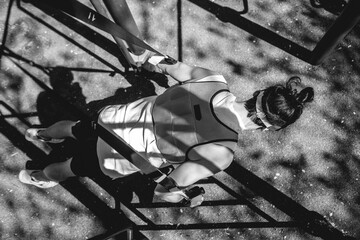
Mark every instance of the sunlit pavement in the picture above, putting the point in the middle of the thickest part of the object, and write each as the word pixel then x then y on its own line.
pixel 316 161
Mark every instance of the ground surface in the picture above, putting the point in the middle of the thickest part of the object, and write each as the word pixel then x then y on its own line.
pixel 316 161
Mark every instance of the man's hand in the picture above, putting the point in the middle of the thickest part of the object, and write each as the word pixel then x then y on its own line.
pixel 179 71
pixel 152 63
pixel 151 67
pixel 173 197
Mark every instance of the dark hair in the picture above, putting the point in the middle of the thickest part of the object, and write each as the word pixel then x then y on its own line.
pixel 282 105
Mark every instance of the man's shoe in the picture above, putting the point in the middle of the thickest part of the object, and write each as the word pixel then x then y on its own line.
pixel 25 177
pixel 32 134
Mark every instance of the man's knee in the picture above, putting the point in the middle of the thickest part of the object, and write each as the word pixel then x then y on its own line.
pixel 83 130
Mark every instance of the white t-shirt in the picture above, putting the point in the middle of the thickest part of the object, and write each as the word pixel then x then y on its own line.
pixel 133 123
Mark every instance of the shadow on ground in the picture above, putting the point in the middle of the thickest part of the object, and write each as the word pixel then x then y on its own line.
pixel 49 59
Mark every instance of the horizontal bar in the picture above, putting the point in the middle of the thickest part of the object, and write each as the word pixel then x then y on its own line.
pixel 198 226
pixel 233 202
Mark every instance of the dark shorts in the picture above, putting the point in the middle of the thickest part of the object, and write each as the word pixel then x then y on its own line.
pixel 85 162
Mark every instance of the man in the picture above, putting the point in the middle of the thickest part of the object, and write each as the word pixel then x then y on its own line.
pixel 192 125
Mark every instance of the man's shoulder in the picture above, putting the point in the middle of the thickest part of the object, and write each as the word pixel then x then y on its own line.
pixel 219 154
pixel 210 78
pixel 218 149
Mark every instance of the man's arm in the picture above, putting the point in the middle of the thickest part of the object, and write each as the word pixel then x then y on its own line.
pixel 182 72
pixel 178 70
pixel 210 159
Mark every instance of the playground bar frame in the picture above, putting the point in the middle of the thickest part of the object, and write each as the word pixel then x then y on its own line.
pixel 345 22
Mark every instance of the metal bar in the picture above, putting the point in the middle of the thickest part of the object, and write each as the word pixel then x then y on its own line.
pixel 227 14
pixel 232 202
pixel 179 30
pixel 157 227
pixel 310 221
pixel 113 233
pixel 246 202
pixel 340 28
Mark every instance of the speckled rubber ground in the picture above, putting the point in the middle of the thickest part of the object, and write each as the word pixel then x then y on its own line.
pixel 316 161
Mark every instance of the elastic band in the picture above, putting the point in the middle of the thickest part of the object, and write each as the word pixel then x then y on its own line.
pixel 259 110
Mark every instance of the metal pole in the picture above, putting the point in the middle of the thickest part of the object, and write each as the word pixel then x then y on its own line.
pixel 340 28
pixel 129 234
pixel 179 16
pixel 310 221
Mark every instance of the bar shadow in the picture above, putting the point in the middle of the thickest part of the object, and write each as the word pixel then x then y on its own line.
pixel 122 191
pixel 109 46
pixel 53 105
pixel 110 218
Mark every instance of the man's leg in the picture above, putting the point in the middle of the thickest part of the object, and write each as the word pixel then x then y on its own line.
pixel 56 133
pixel 60 171
pixel 56 172
pixel 50 176
pixel 121 15
pixel 58 130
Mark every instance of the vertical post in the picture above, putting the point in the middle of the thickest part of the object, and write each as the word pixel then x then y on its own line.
pixel 179 11
pixel 340 28
pixel 129 234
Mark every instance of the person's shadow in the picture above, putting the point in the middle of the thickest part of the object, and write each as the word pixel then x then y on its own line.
pixel 141 86
pixel 51 110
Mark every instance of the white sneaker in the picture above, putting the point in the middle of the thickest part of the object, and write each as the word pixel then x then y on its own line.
pixel 25 177
pixel 32 134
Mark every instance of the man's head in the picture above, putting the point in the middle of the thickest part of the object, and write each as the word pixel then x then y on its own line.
pixel 278 106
